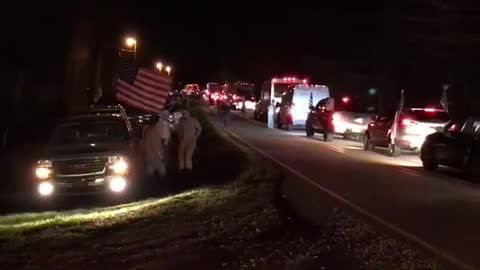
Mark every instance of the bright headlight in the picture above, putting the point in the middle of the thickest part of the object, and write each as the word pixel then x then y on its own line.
pixel 43 170
pixel 43 173
pixel 45 188
pixel 117 184
pixel 118 165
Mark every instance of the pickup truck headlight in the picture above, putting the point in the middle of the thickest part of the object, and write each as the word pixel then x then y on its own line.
pixel 45 188
pixel 118 164
pixel 43 169
pixel 118 184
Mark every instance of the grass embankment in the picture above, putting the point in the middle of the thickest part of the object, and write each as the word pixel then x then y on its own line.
pixel 235 225
pixel 217 162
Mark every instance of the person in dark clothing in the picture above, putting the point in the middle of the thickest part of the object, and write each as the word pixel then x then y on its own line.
pixel 224 111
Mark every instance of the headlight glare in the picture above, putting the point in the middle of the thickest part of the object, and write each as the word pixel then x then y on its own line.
pixel 118 184
pixel 43 169
pixel 118 164
pixel 43 173
pixel 45 188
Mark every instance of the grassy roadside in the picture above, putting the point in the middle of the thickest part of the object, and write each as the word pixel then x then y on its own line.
pixel 233 165
pixel 238 221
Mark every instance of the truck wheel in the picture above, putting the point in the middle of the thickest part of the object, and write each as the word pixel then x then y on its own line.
pixel 328 136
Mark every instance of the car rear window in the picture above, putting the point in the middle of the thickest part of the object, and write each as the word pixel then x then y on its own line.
pixel 353 106
pixel 428 116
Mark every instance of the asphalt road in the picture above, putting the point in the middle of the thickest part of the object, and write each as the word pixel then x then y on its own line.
pixel 437 210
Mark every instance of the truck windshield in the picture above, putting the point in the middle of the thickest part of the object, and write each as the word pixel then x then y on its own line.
pixel 92 132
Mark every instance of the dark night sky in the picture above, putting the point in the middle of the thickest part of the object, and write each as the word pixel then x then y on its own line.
pixel 351 44
pixel 254 41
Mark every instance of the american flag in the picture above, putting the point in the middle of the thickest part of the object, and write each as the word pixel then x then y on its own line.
pixel 142 88
pixel 444 99
pixel 398 112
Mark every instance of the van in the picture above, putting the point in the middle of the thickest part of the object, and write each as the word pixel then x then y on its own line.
pixel 295 104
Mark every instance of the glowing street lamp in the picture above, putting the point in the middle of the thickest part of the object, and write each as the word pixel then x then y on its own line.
pixel 130 42
pixel 159 66
pixel 168 69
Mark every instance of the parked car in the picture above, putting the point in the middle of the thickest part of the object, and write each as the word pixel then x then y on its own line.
pixel 457 146
pixel 89 154
pixel 344 117
pixel 414 124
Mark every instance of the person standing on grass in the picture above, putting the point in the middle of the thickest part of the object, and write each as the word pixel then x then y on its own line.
pixel 189 130
pixel 154 150
pixel 164 128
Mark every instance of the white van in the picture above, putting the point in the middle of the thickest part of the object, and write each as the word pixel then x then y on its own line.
pixel 295 104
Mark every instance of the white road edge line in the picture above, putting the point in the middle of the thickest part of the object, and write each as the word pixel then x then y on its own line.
pixel 450 258
pixel 337 151
pixel 407 171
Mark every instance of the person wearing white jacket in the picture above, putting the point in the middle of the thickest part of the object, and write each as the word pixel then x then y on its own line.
pixel 154 150
pixel 189 130
pixel 164 127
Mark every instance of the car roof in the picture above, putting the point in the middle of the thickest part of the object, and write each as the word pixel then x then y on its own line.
pixel 106 107
pixel 92 118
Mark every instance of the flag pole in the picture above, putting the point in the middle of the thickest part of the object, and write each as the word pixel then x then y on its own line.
pixel 393 134
pixel 444 98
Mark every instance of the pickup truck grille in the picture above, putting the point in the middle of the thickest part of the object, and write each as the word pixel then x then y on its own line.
pixel 79 166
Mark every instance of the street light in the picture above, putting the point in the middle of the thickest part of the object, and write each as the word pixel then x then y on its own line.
pixel 132 42
pixel 168 69
pixel 159 66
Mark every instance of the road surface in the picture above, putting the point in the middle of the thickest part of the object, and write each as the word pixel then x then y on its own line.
pixel 436 209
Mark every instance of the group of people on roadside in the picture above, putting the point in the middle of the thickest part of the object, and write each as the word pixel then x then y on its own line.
pixel 157 142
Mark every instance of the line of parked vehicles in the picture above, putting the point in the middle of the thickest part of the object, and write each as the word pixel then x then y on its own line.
pixel 428 131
